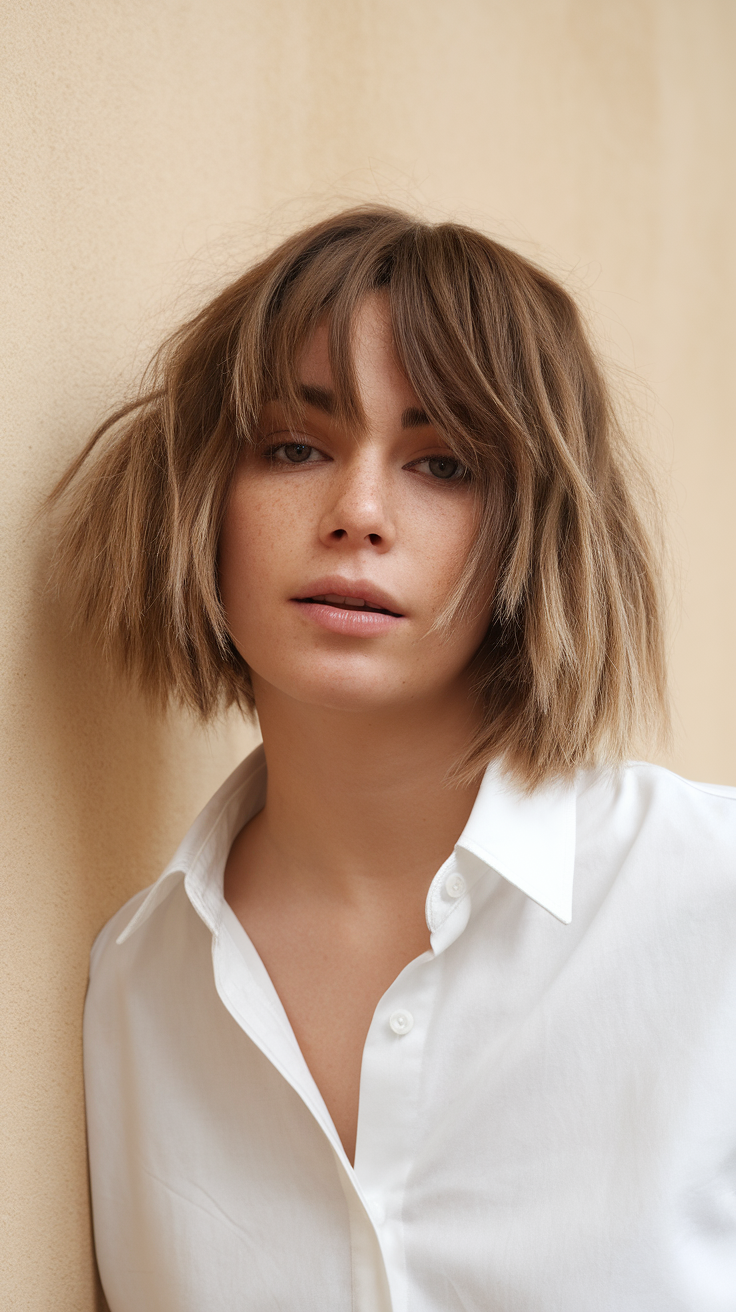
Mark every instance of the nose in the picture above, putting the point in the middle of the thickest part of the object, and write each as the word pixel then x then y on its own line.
pixel 358 512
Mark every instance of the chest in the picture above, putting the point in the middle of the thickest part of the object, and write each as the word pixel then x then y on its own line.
pixel 538 1133
pixel 330 975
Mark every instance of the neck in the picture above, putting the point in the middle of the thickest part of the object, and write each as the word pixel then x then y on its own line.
pixel 356 799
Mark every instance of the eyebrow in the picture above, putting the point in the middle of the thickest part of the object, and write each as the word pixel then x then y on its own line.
pixel 322 398
pixel 414 418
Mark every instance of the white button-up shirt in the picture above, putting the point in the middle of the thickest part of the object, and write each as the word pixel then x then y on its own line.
pixel 547 1117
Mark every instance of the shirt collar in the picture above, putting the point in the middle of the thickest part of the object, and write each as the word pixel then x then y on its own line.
pixel 529 838
pixel 202 854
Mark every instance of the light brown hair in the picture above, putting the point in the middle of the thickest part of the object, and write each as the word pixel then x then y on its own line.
pixel 572 666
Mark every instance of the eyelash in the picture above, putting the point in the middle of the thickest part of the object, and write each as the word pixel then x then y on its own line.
pixel 270 453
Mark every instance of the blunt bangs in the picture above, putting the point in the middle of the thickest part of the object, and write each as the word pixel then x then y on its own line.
pixel 571 671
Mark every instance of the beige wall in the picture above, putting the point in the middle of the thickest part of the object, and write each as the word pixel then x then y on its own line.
pixel 151 147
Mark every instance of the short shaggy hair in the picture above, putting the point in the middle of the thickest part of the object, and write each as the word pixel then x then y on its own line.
pixel 571 669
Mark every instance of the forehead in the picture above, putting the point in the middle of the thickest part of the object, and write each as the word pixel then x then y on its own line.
pixel 378 376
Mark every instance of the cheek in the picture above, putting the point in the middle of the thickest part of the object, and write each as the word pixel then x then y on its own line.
pixel 443 537
pixel 447 548
pixel 262 534
pixel 241 554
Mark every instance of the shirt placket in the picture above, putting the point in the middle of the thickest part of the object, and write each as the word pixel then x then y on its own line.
pixel 391 1078
pixel 250 1008
pixel 390 1085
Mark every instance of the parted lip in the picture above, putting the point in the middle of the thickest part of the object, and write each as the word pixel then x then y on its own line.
pixel 359 589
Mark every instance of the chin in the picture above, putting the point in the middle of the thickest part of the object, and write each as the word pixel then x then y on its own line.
pixel 356 695
pixel 351 690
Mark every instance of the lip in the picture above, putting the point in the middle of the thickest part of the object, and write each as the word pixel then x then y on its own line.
pixel 355 623
pixel 361 589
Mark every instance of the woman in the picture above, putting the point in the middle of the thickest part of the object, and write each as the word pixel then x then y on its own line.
pixel 434 1007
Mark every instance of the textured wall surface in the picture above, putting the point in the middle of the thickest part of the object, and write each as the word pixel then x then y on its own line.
pixel 150 148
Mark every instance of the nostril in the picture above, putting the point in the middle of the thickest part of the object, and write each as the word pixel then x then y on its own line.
pixel 338 533
pixel 375 538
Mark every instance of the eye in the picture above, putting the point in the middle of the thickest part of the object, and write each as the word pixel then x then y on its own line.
pixel 446 468
pixel 293 453
pixel 296 452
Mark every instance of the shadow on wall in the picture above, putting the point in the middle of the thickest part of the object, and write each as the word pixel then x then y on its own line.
pixel 113 787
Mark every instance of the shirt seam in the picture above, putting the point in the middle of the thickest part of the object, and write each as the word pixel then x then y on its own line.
pixel 710 790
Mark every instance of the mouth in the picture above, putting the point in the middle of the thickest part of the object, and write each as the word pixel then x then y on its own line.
pixel 338 602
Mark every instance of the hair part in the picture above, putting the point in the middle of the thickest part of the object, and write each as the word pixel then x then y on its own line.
pixel 572 669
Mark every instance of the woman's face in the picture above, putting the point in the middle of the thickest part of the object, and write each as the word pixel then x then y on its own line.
pixel 339 551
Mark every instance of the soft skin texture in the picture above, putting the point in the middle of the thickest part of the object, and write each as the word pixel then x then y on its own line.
pixel 365 508
pixel 362 715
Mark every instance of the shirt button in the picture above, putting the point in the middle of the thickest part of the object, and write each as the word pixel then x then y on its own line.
pixel 455 886
pixel 401 1022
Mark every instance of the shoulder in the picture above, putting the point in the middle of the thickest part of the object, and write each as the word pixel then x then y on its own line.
pixel 143 937
pixel 652 818
pixel 641 793
pixel 137 981
pixel 655 862
pixel 699 812
pixel 107 938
